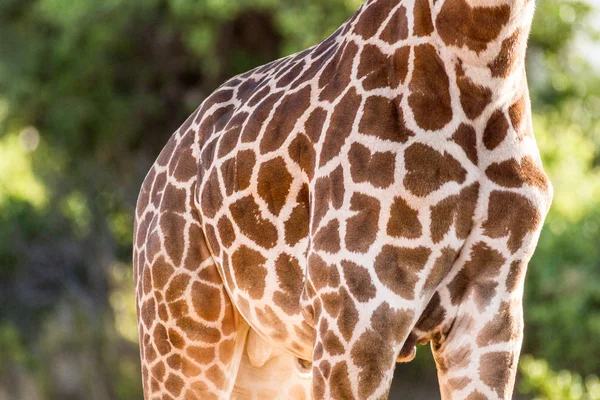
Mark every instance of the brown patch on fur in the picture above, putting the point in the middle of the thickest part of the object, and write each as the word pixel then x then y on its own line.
pixel 375 168
pixel 226 350
pixel 427 169
pixel 440 269
pixel 198 251
pixel 303 153
pixel 361 229
pixel 174 384
pixel 207 155
pixel 226 232
pixel 331 303
pixel 399 66
pixel 373 67
pixel 211 199
pixel 291 74
pixel 373 17
pixel 340 382
pixel 374 356
pixel 206 301
pixel 177 309
pixel 257 118
pixel 202 355
pixel 423 25
pixel 505 62
pixel 177 287
pixel 430 90
pixel 161 272
pixel 249 271
pixel 274 181
pixel 284 119
pixel 318 384
pixel 495 371
pixel 495 130
pixel 512 215
pixel 175 338
pixel 458 210
pixel 231 135
pixel 329 191
pixel 196 331
pixel 513 174
pixel 328 237
pixel 296 226
pixel 348 316
pixel 506 326
pixel 290 277
pixel 380 70
pixel 320 274
pixel 433 315
pixel 216 376
pixel 397 268
pixel 247 89
pixel 148 312
pixel 517 112
pixel 183 167
pixel 340 126
pixel 332 344
pixel 248 218
pixel 359 281
pixel 314 124
pixel 397 28
pixel 478 276
pixel 336 76
pixel 391 325
pixel 476 396
pixel 515 274
pixel 383 118
pixel 268 318
pixel 457 358
pixel 237 171
pixel 404 221
pixel 473 98
pixel 466 138
pixel 458 24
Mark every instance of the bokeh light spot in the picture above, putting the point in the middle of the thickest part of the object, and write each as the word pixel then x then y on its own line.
pixel 29 138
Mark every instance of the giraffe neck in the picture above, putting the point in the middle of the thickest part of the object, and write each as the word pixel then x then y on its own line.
pixel 479 47
pixel 485 34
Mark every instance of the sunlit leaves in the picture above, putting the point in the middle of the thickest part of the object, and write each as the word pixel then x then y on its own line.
pixel 540 380
pixel 17 179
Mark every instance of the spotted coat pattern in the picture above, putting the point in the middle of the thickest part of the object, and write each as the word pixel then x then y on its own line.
pixel 317 217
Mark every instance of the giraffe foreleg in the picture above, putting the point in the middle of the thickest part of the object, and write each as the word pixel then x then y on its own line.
pixel 358 337
pixel 479 360
pixel 477 351
pixel 191 339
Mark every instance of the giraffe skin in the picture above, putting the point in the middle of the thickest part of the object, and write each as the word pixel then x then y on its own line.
pixel 318 217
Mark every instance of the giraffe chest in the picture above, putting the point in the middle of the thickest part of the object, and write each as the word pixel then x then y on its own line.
pixel 264 218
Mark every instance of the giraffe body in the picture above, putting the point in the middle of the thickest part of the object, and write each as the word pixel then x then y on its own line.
pixel 341 205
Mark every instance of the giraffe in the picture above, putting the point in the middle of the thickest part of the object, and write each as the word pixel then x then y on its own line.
pixel 319 216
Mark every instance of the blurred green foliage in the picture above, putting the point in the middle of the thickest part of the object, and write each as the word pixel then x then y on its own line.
pixel 540 380
pixel 91 90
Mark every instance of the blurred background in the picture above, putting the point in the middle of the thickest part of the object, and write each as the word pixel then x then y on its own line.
pixel 91 90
